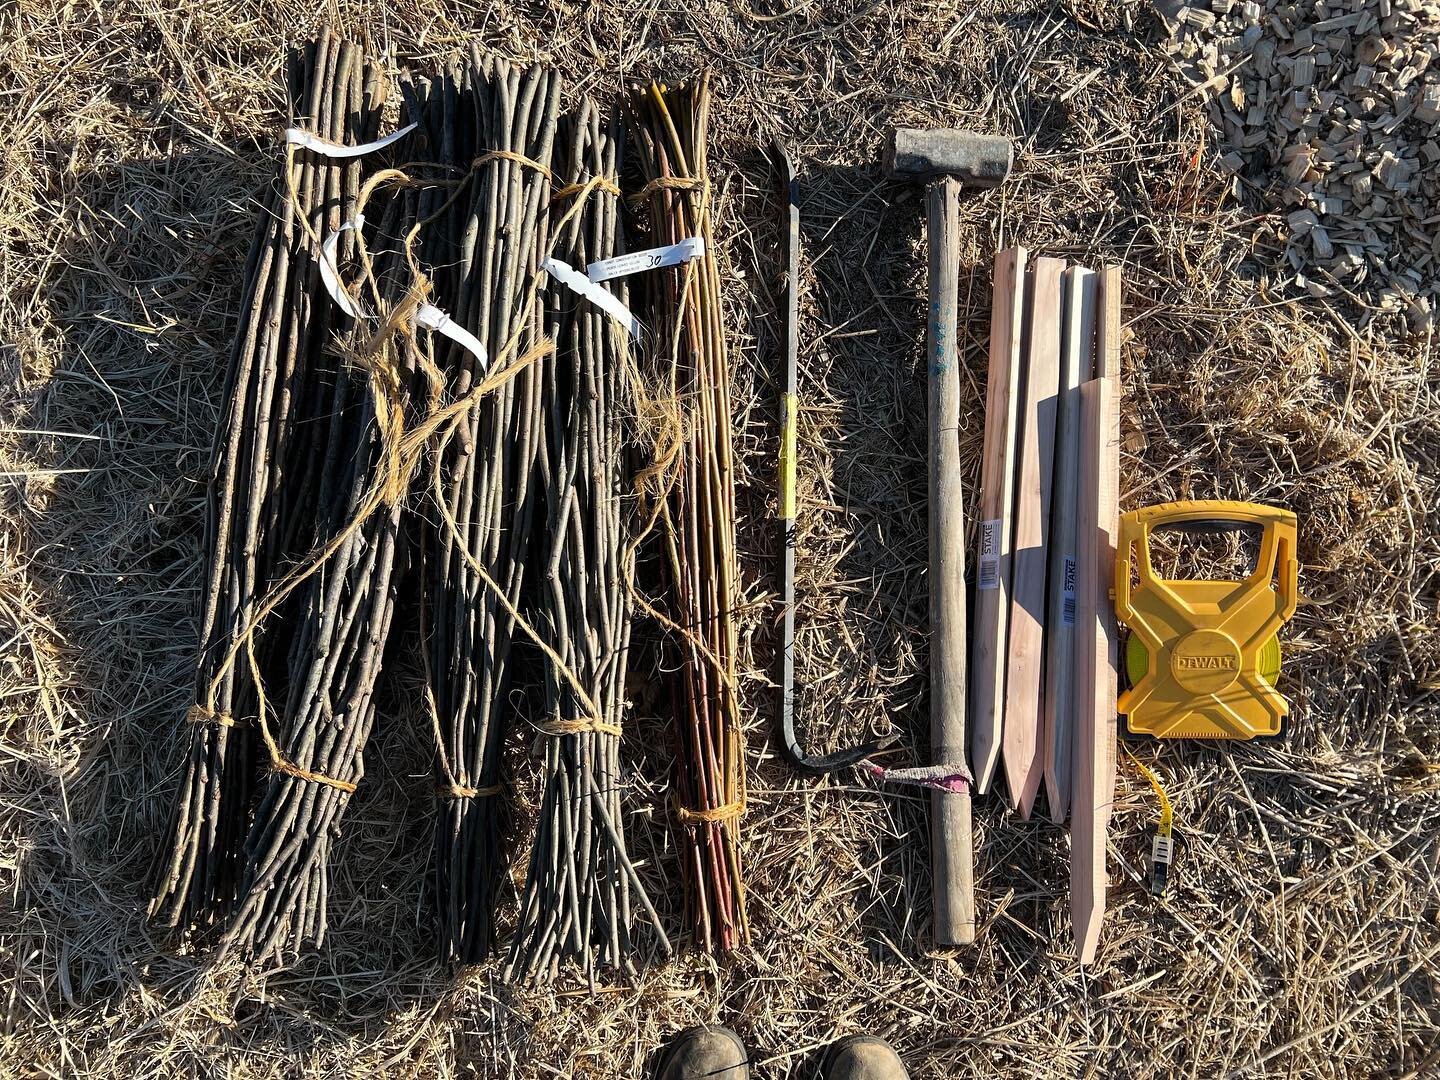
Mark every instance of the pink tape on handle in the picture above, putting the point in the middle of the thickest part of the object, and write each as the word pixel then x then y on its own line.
pixel 952 778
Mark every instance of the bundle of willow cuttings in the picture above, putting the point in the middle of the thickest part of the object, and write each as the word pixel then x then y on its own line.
pixel 341 607
pixel 509 415
pixel 581 887
pixel 499 123
pixel 263 485
pixel 689 489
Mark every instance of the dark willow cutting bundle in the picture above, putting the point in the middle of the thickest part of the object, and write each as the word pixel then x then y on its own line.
pixel 484 489
pixel 341 609
pixel 689 488
pixel 581 885
pixel 263 487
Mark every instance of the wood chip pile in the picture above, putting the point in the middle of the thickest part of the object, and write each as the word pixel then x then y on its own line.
pixel 1331 110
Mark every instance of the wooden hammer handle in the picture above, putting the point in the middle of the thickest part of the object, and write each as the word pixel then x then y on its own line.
pixel 953 856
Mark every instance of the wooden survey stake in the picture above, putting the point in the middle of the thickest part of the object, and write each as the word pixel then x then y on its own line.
pixel 1107 365
pixel 1077 365
pixel 997 482
pixel 1108 333
pixel 1096 639
pixel 1020 738
pixel 1107 344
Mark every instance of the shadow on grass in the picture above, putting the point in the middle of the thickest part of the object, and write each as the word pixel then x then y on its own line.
pixel 141 304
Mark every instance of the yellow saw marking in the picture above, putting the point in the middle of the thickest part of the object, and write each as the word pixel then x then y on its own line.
pixel 787 457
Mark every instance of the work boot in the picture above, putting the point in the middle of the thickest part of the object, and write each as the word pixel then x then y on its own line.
pixel 706 1052
pixel 863 1057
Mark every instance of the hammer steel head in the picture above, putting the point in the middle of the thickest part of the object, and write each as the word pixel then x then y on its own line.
pixel 976 160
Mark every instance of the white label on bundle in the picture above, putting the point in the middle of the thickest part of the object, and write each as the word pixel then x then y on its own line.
pixel 1067 596
pixel 604 299
pixel 298 137
pixel 989 555
pixel 432 318
pixel 330 273
pixel 650 259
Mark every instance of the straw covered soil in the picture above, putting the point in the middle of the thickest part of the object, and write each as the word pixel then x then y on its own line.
pixel 1300 936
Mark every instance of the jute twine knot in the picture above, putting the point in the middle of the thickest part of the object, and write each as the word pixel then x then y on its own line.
pixel 731 811
pixel 453 790
pixel 202 714
pixel 280 764
pixel 578 726
pixel 517 158
pixel 600 183
pixel 670 183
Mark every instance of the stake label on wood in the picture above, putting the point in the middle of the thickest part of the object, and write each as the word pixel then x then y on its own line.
pixel 989 576
pixel 650 259
pixel 1067 600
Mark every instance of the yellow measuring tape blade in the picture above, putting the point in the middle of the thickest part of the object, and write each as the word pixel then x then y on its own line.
pixel 1162 850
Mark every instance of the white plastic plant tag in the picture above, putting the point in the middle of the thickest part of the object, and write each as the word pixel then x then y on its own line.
pixel 301 138
pixel 433 319
pixel 650 259
pixel 330 273
pixel 604 299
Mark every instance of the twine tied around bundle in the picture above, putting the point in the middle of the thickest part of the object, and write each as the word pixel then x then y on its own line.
pixel 715 815
pixel 579 726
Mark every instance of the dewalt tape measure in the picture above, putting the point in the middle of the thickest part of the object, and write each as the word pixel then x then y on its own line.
pixel 1203 656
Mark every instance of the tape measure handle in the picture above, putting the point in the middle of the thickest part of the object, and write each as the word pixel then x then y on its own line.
pixel 1210 526
pixel 1125 545
pixel 1205 511
pixel 1287 572
pixel 1218 517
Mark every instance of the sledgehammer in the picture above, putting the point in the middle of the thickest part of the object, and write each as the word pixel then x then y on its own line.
pixel 947 160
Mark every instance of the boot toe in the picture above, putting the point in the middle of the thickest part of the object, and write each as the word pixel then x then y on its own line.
pixel 707 1052
pixel 864 1057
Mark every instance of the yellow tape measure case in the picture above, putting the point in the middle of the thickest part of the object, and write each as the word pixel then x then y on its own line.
pixel 1203 656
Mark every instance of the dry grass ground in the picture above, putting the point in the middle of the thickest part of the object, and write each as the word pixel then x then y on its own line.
pixel 1300 937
